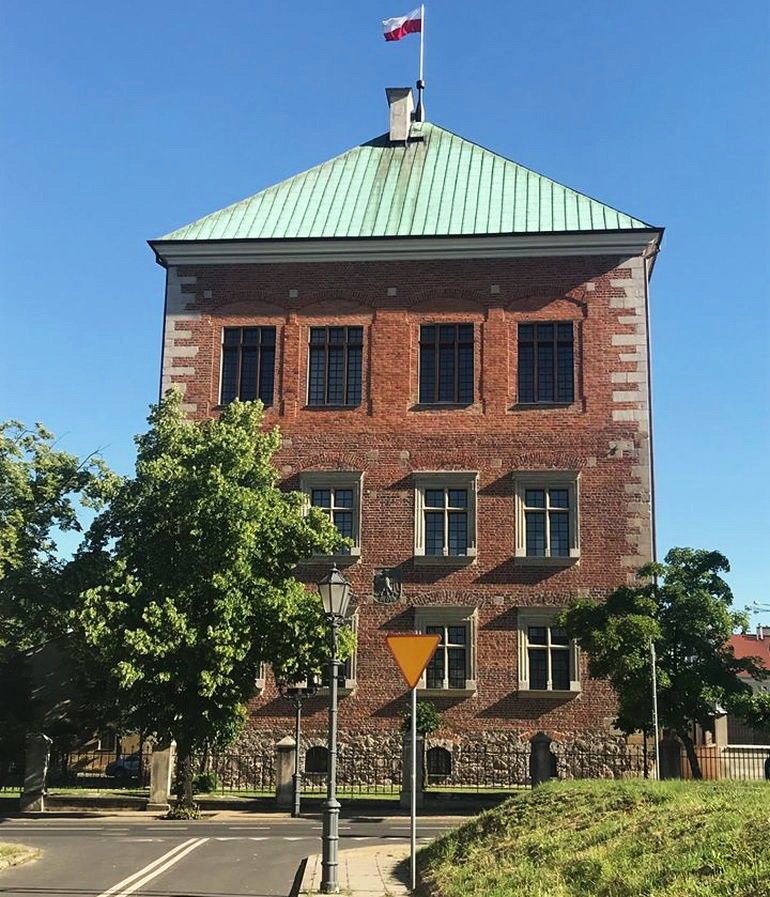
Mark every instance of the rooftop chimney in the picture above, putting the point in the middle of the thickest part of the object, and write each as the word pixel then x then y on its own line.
pixel 401 108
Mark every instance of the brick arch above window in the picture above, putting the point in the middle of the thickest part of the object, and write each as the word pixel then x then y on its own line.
pixel 444 302
pixel 249 307
pixel 333 303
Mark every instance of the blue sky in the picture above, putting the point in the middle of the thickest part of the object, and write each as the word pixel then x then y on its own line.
pixel 122 122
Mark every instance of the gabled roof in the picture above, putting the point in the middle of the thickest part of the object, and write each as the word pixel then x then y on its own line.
pixel 437 185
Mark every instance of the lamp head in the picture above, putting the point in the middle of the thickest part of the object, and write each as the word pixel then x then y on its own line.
pixel 335 593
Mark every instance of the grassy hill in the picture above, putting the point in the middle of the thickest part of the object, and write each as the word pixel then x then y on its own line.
pixel 611 839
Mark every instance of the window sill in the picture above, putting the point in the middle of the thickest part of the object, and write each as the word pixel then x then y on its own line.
pixel 544 406
pixel 467 692
pixel 342 690
pixel 341 560
pixel 526 561
pixel 438 560
pixel 220 407
pixel 444 406
pixel 331 407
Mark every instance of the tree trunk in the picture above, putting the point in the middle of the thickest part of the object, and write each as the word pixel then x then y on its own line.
pixel 691 755
pixel 184 774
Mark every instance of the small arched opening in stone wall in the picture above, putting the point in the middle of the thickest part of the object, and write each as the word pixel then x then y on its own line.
pixel 317 760
pixel 439 763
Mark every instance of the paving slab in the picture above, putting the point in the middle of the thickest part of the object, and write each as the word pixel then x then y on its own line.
pixel 376 871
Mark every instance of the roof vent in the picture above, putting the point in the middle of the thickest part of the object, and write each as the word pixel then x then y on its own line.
pixel 401 108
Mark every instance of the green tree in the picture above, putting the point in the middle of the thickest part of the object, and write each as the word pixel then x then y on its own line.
pixel 42 493
pixel 199 589
pixel 684 607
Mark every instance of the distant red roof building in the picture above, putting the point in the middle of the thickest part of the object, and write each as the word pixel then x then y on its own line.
pixel 753 645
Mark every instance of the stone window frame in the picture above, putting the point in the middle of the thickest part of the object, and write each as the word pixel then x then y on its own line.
pixel 337 479
pixel 546 479
pixel 543 617
pixel 445 479
pixel 350 680
pixel 450 615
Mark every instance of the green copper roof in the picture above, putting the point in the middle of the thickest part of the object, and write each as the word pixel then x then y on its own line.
pixel 440 185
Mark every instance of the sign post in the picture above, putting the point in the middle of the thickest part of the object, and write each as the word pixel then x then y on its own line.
pixel 413 653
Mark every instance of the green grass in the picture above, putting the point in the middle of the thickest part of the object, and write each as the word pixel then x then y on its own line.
pixel 611 839
pixel 14 854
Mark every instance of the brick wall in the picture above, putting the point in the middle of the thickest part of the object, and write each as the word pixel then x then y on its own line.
pixel 603 435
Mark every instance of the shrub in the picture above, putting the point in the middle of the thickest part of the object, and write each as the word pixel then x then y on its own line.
pixel 428 719
pixel 205 783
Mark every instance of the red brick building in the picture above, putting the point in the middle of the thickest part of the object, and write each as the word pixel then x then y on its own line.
pixel 456 351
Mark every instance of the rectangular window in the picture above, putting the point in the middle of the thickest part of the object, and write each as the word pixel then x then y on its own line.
pixel 446 364
pixel 546 360
pixel 248 364
pixel 546 516
pixel 344 674
pixel 453 667
pixel 336 357
pixel 548 659
pixel 546 513
pixel 338 494
pixel 448 667
pixel 338 504
pixel 445 516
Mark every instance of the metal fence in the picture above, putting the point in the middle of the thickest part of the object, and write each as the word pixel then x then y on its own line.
pixel 732 762
pixel 620 761
pixel 247 773
pixel 358 771
pixel 98 770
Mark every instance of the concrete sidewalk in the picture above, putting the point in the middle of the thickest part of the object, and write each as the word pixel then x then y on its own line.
pixel 379 871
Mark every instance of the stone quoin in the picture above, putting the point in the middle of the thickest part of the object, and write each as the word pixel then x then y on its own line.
pixel 455 349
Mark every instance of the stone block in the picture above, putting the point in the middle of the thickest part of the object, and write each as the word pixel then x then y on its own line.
pixel 37 750
pixel 161 771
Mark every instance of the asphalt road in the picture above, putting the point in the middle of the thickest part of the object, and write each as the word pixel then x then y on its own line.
pixel 229 856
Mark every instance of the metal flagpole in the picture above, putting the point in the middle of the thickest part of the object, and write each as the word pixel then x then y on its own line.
pixel 414 790
pixel 653 662
pixel 422 41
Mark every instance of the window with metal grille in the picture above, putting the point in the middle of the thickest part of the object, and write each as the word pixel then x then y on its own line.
pixel 446 522
pixel 546 518
pixel 336 356
pixel 449 665
pixel 317 759
pixel 446 364
pixel 548 658
pixel 546 361
pixel 248 364
pixel 339 505
pixel 439 764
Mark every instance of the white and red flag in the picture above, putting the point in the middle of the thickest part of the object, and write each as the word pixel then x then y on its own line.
pixel 400 26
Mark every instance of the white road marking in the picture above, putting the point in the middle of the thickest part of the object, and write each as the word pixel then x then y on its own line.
pixel 153 869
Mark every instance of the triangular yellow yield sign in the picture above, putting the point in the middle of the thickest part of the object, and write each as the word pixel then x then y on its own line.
pixel 412 654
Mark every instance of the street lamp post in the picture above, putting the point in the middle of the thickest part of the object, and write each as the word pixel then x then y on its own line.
pixel 335 595
pixel 296 692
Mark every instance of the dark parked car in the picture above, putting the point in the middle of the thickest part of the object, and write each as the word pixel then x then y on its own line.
pixel 124 767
